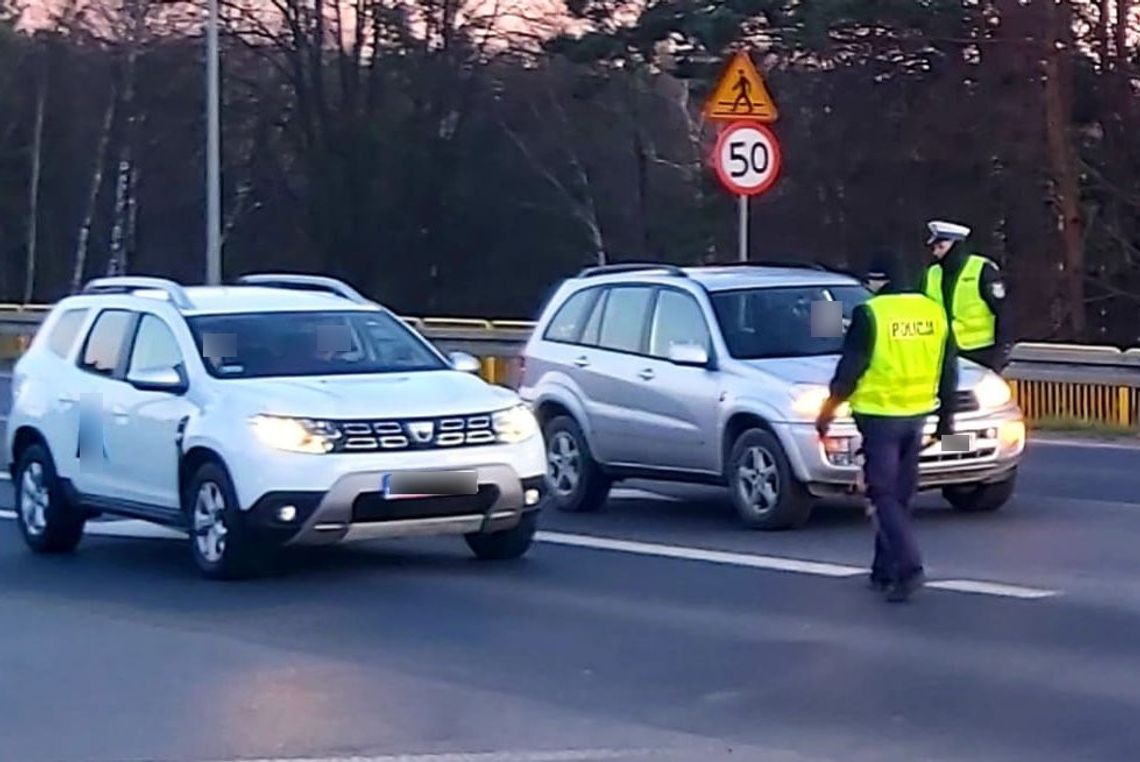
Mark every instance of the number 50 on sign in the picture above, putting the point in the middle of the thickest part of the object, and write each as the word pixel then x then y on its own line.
pixel 747 158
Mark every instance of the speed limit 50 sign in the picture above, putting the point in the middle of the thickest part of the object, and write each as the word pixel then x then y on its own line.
pixel 747 158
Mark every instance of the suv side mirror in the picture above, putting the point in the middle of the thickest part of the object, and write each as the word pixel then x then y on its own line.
pixel 170 380
pixel 689 355
pixel 464 362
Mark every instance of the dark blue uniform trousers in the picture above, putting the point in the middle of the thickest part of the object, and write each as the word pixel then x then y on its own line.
pixel 891 447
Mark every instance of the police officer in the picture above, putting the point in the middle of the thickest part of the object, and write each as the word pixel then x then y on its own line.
pixel 971 290
pixel 898 366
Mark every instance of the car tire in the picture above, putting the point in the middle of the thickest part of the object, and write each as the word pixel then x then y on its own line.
pixel 764 490
pixel 48 521
pixel 981 498
pixel 508 544
pixel 221 547
pixel 577 483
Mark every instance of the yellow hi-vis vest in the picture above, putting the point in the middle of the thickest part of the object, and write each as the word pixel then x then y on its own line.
pixel 906 360
pixel 970 316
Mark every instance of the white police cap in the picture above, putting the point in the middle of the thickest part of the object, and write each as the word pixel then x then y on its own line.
pixel 946 231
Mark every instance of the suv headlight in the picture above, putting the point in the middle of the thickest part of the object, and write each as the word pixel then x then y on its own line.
pixel 514 425
pixel 992 392
pixel 294 434
pixel 808 399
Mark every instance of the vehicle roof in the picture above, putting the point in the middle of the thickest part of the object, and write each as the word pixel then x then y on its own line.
pixel 728 278
pixel 228 300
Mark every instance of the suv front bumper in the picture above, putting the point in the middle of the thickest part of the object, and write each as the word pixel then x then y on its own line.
pixel 999 442
pixel 354 509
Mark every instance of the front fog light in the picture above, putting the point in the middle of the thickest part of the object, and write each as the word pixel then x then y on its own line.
pixel 515 425
pixel 287 513
pixel 531 496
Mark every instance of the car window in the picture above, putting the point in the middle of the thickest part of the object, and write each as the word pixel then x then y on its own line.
pixel 104 345
pixel 776 322
pixel 155 347
pixel 592 334
pixel 624 321
pixel 280 344
pixel 66 330
pixel 677 319
pixel 566 326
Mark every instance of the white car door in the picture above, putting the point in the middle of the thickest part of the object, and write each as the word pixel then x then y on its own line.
pixel 101 360
pixel 146 414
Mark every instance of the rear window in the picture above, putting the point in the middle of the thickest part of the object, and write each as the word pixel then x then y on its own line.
pixel 279 344
pixel 65 331
pixel 776 322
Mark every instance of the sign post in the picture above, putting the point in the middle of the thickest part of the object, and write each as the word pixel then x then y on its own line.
pixel 747 157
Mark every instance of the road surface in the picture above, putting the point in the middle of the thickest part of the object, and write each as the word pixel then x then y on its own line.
pixel 656 630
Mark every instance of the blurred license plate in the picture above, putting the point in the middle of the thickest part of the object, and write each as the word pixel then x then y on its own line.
pixel 950 444
pixel 410 485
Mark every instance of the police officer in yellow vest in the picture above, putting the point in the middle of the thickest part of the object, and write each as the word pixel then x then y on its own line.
pixel 970 288
pixel 899 366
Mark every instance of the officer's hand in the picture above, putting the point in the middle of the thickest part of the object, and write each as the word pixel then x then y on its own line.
pixel 826 416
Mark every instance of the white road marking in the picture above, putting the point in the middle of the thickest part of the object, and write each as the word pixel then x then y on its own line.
pixel 5 476
pixel 1083 444
pixel 568 755
pixel 129 528
pixel 698 554
pixel 632 493
pixel 991 588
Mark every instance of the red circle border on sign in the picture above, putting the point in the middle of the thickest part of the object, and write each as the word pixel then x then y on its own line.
pixel 777 158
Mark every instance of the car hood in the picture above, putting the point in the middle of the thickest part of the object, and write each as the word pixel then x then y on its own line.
pixel 819 370
pixel 396 395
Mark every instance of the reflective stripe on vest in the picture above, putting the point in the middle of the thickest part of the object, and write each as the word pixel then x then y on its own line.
pixel 974 323
pixel 906 360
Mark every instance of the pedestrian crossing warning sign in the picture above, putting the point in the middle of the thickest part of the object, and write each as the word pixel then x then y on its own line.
pixel 741 94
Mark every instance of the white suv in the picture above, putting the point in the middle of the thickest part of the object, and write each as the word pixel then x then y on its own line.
pixel 283 410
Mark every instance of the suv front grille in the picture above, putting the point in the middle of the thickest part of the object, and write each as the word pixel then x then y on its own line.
pixel 414 434
pixel 965 402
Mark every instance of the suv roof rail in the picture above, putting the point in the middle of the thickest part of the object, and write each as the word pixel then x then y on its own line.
pixel 629 267
pixel 769 263
pixel 126 284
pixel 305 283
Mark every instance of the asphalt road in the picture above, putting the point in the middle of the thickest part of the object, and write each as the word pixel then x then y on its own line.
pixel 740 650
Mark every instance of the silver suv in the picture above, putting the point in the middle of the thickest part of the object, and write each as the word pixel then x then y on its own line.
pixel 714 375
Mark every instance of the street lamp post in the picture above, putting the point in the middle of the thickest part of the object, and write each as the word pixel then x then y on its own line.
pixel 213 151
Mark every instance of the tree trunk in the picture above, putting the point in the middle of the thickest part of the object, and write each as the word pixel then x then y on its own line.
pixel 93 192
pixel 34 186
pixel 117 263
pixel 1066 195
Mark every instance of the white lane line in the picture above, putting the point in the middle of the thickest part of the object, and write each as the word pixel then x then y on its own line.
pixel 632 493
pixel 568 755
pixel 991 588
pixel 5 476
pixel 1083 444
pixel 132 529
pixel 774 563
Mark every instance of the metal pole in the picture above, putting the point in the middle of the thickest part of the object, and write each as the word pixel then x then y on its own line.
pixel 744 228
pixel 213 151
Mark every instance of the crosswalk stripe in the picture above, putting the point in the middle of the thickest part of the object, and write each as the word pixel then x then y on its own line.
pixel 991 588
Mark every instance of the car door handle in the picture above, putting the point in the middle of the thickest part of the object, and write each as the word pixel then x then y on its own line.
pixel 66 401
pixel 647 374
pixel 120 414
pixel 581 362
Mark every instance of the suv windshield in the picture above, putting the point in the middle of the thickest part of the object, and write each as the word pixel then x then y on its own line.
pixel 776 322
pixel 258 345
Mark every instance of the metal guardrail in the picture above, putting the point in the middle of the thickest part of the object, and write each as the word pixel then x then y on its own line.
pixel 1064 382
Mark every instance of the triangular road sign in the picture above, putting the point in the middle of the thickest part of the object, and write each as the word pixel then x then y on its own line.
pixel 741 94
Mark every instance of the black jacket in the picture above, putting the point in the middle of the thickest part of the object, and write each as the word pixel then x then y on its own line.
pixel 858 346
pixel 992 290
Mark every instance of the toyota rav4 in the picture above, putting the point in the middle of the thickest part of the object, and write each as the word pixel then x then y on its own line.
pixel 716 375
